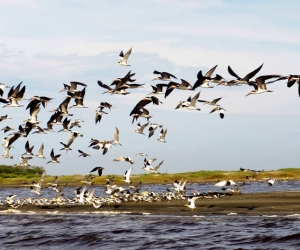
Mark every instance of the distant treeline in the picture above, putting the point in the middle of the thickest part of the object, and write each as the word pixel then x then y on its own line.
pixel 13 172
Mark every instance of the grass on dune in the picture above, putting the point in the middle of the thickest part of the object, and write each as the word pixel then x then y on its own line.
pixel 10 175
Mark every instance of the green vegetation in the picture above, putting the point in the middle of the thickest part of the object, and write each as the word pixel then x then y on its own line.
pixel 15 176
pixel 9 174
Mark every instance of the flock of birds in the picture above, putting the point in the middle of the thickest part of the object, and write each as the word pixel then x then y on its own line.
pixel 120 86
pixel 116 194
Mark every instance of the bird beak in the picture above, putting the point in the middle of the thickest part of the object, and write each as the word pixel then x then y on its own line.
pixel 249 94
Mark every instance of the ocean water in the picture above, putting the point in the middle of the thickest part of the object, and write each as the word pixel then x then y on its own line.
pixel 107 230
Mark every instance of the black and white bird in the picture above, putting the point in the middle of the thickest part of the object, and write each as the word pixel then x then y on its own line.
pixel 164 76
pixel 98 169
pixel 124 158
pixel 191 201
pixel 246 79
pixel 220 109
pixel 41 152
pixel 162 135
pixel 54 158
pixel 82 153
pixel 127 175
pixel 271 181
pixel 140 128
pixel 225 183
pixel 260 85
pixel 153 127
pixel 124 58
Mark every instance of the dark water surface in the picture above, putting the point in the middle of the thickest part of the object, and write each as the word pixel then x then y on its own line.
pixel 125 231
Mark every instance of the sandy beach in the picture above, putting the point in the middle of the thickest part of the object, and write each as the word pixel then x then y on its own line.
pixel 272 203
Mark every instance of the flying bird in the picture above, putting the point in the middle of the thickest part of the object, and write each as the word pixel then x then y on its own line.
pixel 127 175
pixel 82 153
pixel 124 158
pixel 203 81
pixel 246 79
pixel 260 85
pixel 221 111
pixel 116 137
pixel 99 114
pixel 54 158
pixel 99 169
pixel 124 58
pixel 164 76
pixel 162 136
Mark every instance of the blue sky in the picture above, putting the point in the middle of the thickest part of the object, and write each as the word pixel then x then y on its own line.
pixel 48 43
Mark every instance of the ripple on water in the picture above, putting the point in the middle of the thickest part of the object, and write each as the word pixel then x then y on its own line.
pixel 95 231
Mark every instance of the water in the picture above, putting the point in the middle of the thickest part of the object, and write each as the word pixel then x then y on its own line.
pixel 100 230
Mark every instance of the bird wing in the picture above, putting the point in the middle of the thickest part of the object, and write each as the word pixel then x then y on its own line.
pixel 102 85
pixel 261 80
pixel 185 83
pixel 126 56
pixel 41 150
pixel 162 134
pixel 100 169
pixel 139 106
pixel 13 138
pixel 216 100
pixel 231 72
pixel 151 132
pixel 211 71
pixel 213 110
pixel 199 81
pixel 253 73
pixel 64 105
pixel 121 158
pixel 157 167
pixel 155 100
pixel 52 153
pixel 20 94
pixel 194 99
pixel 168 74
pixel 116 135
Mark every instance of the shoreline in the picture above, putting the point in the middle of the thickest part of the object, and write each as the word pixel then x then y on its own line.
pixel 271 203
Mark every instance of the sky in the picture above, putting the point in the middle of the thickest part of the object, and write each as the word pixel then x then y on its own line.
pixel 48 43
